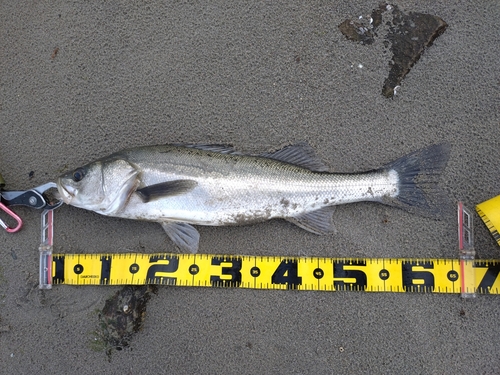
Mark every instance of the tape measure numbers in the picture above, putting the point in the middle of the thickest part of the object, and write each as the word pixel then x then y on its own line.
pixel 268 272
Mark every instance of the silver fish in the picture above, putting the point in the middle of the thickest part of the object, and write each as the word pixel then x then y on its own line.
pixel 180 185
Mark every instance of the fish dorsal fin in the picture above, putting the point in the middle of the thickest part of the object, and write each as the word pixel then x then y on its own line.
pixel 184 235
pixel 165 189
pixel 318 222
pixel 221 149
pixel 300 154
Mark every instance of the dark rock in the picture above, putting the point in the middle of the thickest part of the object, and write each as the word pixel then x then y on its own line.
pixel 357 32
pixel 123 315
pixel 409 35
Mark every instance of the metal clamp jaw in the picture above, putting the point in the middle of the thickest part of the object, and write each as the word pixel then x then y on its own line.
pixel 34 198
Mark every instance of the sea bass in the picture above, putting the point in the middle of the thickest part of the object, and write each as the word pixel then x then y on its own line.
pixel 180 185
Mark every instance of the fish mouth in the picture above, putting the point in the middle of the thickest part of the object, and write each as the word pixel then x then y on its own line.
pixel 66 193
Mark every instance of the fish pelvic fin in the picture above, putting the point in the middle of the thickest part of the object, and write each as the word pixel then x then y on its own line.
pixel 184 235
pixel 317 222
pixel 419 174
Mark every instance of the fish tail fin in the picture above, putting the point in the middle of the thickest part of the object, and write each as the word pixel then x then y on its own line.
pixel 419 174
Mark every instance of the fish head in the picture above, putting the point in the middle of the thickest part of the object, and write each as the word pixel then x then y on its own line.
pixel 103 186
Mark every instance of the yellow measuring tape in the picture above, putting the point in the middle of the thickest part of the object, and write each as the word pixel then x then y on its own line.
pixel 490 213
pixel 466 275
pixel 273 272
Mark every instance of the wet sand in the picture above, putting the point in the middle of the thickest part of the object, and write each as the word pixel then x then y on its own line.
pixel 80 80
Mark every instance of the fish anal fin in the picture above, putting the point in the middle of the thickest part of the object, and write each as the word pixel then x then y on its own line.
pixel 300 154
pixel 165 189
pixel 184 235
pixel 318 222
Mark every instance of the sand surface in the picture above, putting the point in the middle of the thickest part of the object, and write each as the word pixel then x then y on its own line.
pixel 258 75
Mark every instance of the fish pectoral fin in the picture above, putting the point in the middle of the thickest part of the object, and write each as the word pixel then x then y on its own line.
pixel 165 189
pixel 318 222
pixel 300 154
pixel 184 235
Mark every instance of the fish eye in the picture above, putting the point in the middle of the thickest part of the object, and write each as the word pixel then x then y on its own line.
pixel 78 174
